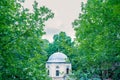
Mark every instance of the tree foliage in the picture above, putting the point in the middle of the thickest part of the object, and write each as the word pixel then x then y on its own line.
pixel 98 38
pixel 21 53
pixel 61 42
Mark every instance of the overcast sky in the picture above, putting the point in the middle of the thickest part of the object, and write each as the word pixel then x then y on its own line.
pixel 66 11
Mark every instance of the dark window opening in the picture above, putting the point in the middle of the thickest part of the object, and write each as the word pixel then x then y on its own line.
pixel 57 72
pixel 48 72
pixel 67 71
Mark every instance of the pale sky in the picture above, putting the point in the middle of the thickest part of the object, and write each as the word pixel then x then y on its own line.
pixel 65 12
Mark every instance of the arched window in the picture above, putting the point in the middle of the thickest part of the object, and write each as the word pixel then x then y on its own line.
pixel 57 72
pixel 67 71
pixel 57 67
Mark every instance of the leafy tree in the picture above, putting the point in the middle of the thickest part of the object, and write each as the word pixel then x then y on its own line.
pixel 62 43
pixel 21 54
pixel 97 35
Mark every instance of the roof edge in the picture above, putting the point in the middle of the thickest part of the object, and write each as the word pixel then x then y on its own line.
pixel 59 62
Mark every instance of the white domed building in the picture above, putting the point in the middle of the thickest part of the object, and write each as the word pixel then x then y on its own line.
pixel 58 66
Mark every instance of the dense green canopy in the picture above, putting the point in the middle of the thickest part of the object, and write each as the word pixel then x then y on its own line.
pixel 98 35
pixel 21 53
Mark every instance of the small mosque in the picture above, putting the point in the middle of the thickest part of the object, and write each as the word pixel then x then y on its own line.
pixel 58 66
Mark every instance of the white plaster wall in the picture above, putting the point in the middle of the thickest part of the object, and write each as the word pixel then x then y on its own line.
pixel 62 69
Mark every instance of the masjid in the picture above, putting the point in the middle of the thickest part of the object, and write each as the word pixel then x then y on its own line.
pixel 58 66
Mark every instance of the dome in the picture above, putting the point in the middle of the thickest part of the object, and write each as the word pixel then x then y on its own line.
pixel 58 57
